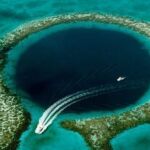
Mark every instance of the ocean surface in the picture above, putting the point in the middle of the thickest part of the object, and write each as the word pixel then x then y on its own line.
pixel 65 59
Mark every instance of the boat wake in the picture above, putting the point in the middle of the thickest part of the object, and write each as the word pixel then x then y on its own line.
pixel 55 109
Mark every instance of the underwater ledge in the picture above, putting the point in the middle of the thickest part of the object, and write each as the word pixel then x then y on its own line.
pixel 14 119
pixel 99 131
pixel 136 116
pixel 14 37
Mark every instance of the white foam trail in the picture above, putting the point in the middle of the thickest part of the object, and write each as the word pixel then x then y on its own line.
pixel 60 103
pixel 42 125
pixel 57 113
pixel 45 114
pixel 77 97
pixel 54 110
pixel 87 93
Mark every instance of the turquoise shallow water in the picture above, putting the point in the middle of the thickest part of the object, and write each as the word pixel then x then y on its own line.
pixel 16 12
pixel 57 137
pixel 13 13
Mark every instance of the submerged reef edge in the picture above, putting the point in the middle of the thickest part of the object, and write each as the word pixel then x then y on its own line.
pixel 97 132
pixel 14 119
pixel 15 36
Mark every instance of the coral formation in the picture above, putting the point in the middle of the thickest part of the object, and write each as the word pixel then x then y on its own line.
pixel 13 117
pixel 14 120
pixel 99 131
pixel 23 31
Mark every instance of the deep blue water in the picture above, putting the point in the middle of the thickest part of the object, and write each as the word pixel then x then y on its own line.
pixel 14 13
pixel 79 58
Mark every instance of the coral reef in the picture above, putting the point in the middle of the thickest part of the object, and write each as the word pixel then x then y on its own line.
pixel 14 120
pixel 14 37
pixel 99 131
pixel 13 117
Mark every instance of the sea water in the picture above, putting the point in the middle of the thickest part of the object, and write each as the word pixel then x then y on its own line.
pixel 56 137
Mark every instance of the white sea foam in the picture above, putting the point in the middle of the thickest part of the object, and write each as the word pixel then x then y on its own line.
pixel 54 110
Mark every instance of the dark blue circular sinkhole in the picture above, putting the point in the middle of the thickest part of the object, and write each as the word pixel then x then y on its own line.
pixel 78 58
